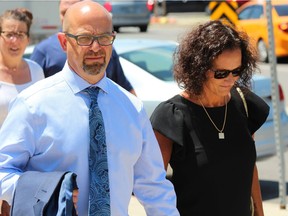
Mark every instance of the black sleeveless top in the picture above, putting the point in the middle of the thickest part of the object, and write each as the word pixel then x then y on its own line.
pixel 220 186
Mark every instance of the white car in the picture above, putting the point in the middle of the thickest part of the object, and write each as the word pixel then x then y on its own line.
pixel 148 64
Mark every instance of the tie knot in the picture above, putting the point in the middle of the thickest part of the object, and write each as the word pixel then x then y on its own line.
pixel 93 93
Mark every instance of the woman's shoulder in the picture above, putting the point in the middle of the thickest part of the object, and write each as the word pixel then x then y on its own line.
pixel 257 108
pixel 168 119
pixel 35 69
pixel 169 105
pixel 245 93
pixel 252 99
pixel 32 64
pixel 170 110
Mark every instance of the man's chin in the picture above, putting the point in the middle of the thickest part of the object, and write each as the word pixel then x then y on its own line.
pixel 93 69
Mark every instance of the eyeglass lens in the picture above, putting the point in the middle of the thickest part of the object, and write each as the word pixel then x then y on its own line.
pixel 87 40
pixel 10 35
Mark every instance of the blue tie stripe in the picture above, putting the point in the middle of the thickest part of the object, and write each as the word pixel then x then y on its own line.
pixel 99 192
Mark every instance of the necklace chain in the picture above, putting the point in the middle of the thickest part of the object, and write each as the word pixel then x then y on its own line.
pixel 225 116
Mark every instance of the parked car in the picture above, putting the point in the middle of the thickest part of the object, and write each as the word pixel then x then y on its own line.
pixel 252 18
pixel 175 6
pixel 133 13
pixel 148 64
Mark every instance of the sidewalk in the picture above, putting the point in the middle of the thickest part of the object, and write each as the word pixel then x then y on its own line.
pixel 273 209
pixel 270 208
pixel 135 208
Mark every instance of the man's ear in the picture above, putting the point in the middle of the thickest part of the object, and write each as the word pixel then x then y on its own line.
pixel 63 40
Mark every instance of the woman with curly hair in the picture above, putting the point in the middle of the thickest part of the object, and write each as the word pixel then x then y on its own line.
pixel 206 132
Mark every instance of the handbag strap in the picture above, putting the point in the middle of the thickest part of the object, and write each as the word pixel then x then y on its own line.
pixel 243 99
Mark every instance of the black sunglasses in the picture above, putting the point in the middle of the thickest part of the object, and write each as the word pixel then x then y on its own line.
pixel 220 74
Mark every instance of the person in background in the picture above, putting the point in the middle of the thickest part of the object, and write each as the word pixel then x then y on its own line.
pixel 204 132
pixel 49 54
pixel 16 73
pixel 48 126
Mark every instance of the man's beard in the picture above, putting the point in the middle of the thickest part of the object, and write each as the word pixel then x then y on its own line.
pixel 94 69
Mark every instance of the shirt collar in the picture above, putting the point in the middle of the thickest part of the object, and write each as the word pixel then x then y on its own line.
pixel 77 83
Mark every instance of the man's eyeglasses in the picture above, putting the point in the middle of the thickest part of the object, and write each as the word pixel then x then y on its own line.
pixel 87 40
pixel 220 74
pixel 19 35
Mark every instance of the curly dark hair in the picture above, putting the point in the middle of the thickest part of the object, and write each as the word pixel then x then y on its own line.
pixel 20 14
pixel 202 45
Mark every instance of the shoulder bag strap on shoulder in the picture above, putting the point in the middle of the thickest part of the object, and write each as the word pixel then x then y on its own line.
pixel 243 99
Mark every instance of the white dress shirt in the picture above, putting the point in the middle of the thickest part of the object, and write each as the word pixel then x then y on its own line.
pixel 47 129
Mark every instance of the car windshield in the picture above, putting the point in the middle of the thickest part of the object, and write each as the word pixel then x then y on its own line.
pixel 282 10
pixel 156 60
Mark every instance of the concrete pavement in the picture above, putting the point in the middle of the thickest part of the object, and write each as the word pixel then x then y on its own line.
pixel 270 208
pixel 135 208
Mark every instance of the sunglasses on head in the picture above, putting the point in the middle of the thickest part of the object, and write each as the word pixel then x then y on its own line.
pixel 220 74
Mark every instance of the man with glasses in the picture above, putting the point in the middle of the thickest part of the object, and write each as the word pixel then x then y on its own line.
pixel 49 127
pixel 50 56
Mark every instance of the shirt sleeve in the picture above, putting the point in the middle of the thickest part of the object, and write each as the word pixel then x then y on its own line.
pixel 169 121
pixel 15 148
pixel 258 111
pixel 151 188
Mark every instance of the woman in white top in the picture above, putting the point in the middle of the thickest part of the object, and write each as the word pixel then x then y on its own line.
pixel 16 73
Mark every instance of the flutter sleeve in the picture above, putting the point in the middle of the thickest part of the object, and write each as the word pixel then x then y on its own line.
pixel 169 121
pixel 258 111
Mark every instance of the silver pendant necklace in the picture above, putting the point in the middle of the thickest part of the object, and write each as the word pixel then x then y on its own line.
pixel 221 134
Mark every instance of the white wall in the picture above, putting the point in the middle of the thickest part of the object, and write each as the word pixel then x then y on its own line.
pixel 45 16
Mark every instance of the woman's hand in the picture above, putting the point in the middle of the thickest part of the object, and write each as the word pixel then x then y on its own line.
pixel 5 208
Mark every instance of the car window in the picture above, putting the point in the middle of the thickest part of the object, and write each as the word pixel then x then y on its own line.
pixel 252 12
pixel 245 13
pixel 257 12
pixel 157 61
pixel 282 10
